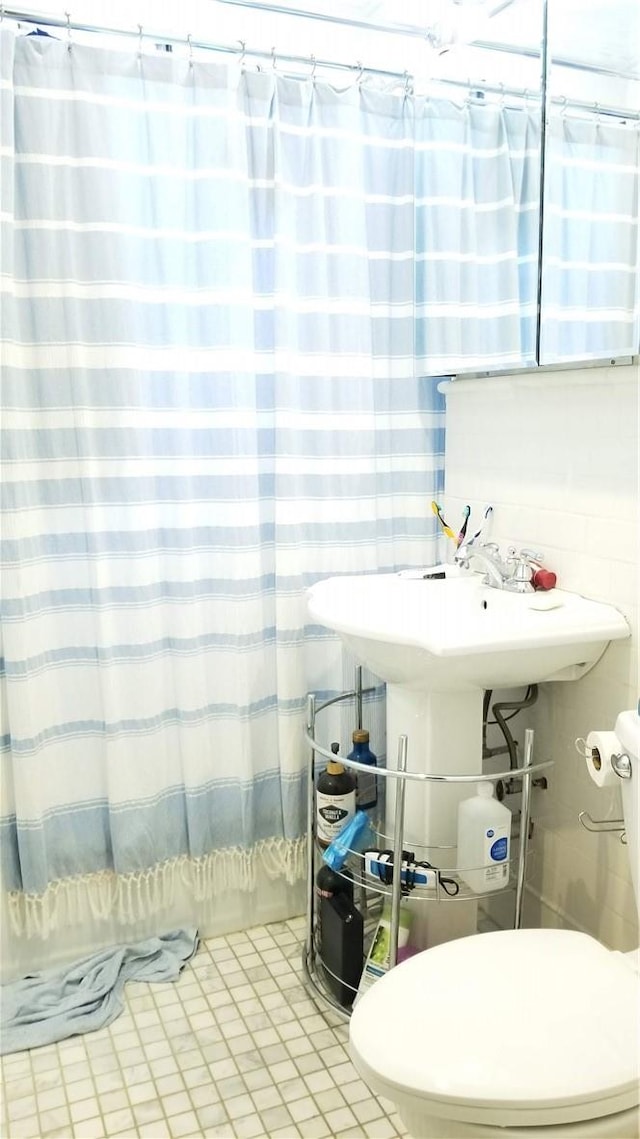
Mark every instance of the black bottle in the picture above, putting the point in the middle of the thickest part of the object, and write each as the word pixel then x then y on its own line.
pixel 342 947
pixel 335 801
pixel 330 884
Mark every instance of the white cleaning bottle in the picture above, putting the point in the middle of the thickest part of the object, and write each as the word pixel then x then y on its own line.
pixel 484 840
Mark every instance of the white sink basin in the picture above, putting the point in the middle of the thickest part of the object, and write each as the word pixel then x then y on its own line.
pixel 458 633
pixel 439 644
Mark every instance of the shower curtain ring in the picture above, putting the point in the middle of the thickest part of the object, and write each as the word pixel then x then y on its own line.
pixel 360 74
pixel 273 58
pixel 139 41
pixel 190 47
pixel 243 45
pixel 314 64
pixel 408 89
pixel 69 40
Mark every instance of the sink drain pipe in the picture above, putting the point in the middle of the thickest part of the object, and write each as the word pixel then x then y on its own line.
pixel 512 706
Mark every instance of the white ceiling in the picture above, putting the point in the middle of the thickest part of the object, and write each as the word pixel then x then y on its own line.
pixel 598 32
pixel 602 33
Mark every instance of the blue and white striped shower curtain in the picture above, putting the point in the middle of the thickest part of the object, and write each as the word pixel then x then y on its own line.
pixel 210 400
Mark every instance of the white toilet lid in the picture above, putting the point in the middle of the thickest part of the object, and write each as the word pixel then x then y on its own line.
pixel 518 1027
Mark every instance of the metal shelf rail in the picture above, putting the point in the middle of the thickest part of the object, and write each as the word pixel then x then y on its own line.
pixel 402 774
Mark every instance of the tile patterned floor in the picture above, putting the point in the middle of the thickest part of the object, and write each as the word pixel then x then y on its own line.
pixel 235 1048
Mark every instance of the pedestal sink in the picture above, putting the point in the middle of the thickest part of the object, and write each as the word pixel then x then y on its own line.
pixel 439 642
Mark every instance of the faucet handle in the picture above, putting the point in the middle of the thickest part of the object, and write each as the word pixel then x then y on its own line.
pixel 524 555
pixel 522 572
pixel 531 555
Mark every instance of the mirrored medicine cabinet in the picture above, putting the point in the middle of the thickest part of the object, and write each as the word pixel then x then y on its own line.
pixel 523 165
pixel 561 266
pixel 590 264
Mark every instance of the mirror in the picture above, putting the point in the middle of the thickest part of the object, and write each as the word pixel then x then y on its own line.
pixel 477 140
pixel 590 297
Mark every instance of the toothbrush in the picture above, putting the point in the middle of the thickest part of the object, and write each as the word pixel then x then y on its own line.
pixel 438 513
pixel 478 534
pixel 463 528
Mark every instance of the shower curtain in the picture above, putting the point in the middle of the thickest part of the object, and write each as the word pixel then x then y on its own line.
pixel 211 400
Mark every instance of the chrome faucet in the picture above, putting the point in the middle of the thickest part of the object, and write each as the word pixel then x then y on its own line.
pixel 513 573
pixel 487 554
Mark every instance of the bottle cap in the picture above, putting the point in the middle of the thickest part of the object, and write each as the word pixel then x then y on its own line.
pixel 360 736
pixel 544 579
pixel 485 790
pixel 334 767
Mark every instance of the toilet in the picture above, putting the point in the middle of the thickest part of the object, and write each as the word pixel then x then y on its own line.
pixel 517 1033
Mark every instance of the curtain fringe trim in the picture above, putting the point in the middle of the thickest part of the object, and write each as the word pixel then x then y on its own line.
pixel 132 897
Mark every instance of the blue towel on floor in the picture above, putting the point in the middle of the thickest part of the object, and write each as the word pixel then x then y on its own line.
pixel 56 1003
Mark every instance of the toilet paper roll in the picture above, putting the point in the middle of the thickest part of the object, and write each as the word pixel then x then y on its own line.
pixel 600 747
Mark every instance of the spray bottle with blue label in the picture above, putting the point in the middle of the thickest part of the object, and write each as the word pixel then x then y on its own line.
pixel 484 839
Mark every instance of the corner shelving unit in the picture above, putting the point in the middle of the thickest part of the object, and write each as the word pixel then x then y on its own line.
pixel 373 893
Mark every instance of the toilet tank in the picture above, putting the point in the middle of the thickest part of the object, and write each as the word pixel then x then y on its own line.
pixel 627 730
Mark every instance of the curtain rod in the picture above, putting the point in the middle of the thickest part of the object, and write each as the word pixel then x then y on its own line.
pixel 70 24
pixel 347 21
pixel 503 91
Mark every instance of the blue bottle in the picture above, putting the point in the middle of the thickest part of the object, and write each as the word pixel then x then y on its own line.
pixel 366 784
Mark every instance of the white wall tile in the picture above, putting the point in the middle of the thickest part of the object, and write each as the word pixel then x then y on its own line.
pixel 557 456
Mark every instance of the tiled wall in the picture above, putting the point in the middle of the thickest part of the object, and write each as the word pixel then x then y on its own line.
pixel 556 454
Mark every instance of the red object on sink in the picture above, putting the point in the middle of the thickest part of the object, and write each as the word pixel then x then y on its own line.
pixel 544 579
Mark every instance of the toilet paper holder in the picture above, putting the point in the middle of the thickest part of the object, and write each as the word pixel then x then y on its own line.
pixel 621 765
pixel 598 826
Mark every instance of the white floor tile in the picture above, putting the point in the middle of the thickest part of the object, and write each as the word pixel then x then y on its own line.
pixel 43 1081
pixel 329 1100
pixel 302 1109
pixel 55 1096
pixel 54 1120
pixel 25 1106
pixel 83 1109
pixel 274 1118
pixel 26 1128
pixel 184 1124
pixel 238 1105
pixel 147 1112
pixel 316 1128
pixel 340 1119
pixel 236 1049
pixel 93 1128
pixel 249 1127
pixel 211 1115
pixel 118 1120
pixel 265 1098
